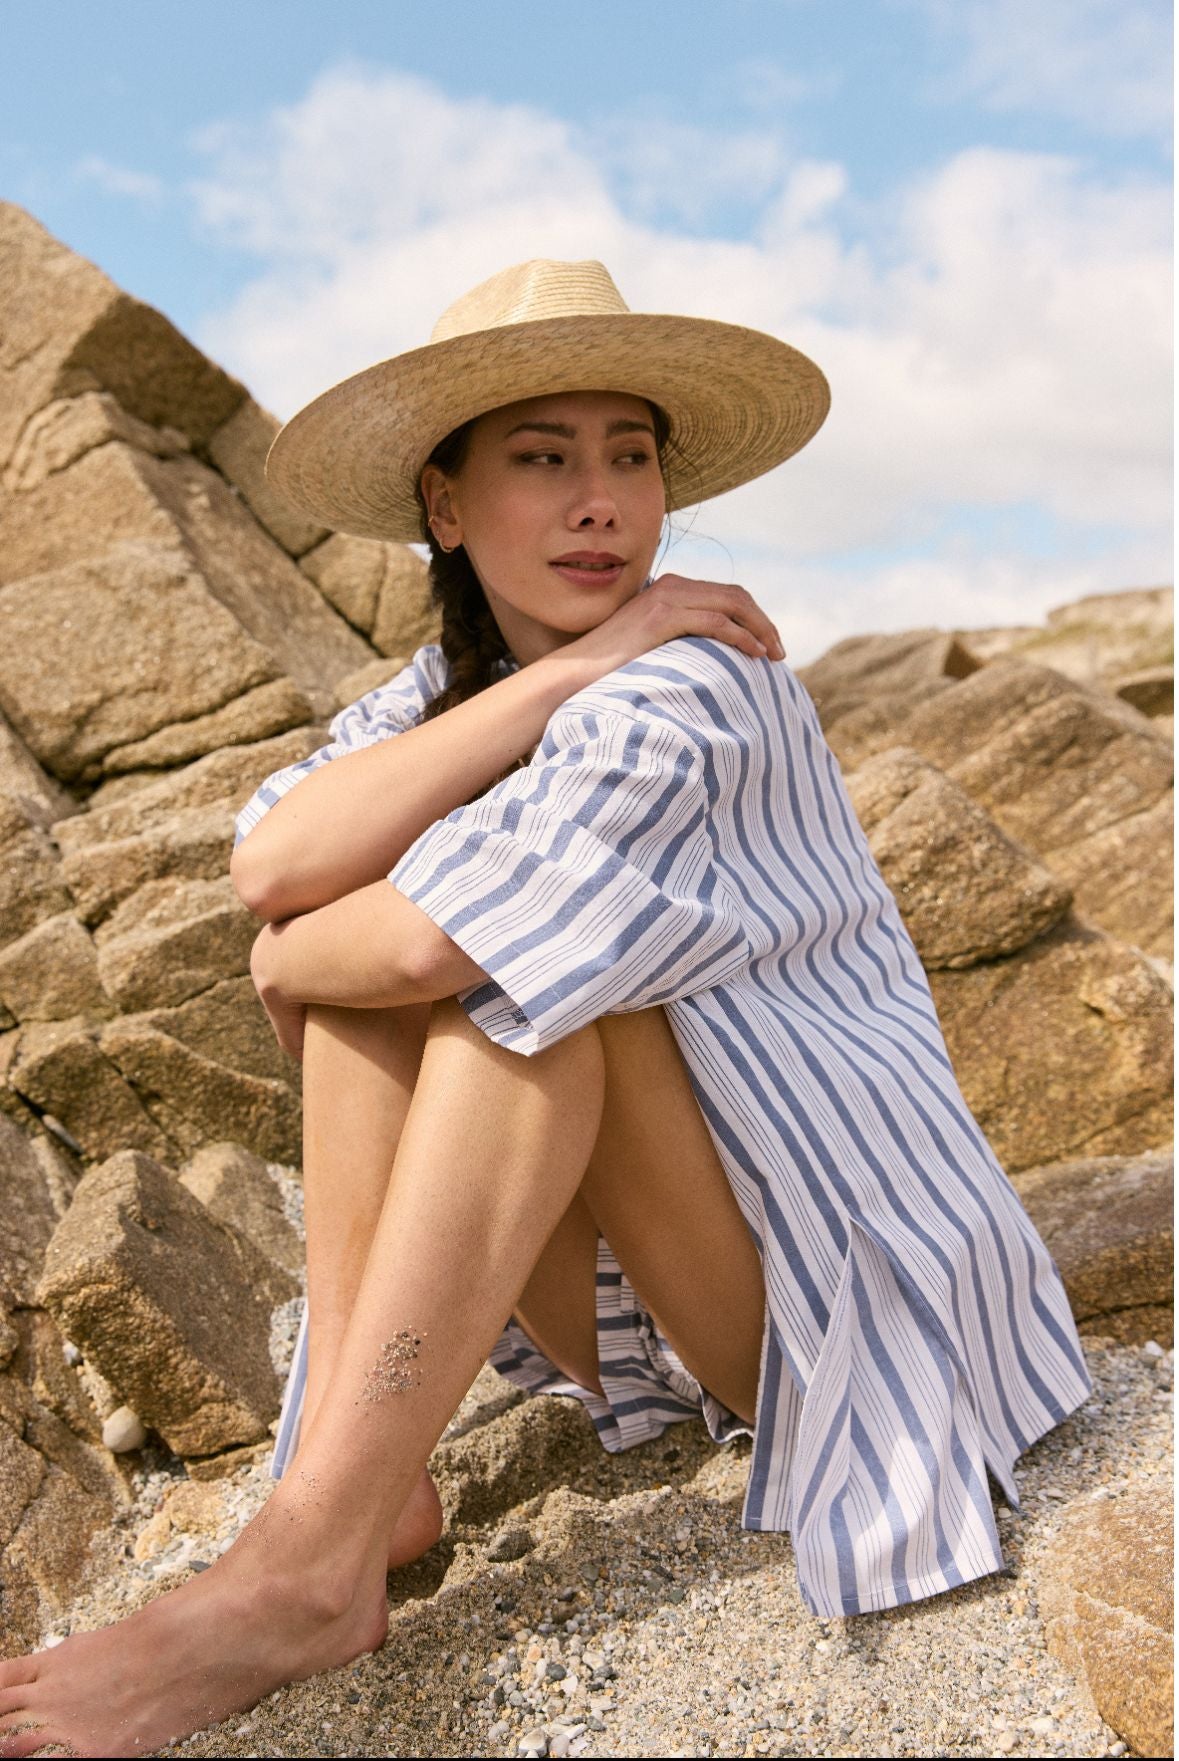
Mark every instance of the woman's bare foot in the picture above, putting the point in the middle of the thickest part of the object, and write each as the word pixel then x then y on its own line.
pixel 419 1525
pixel 213 1647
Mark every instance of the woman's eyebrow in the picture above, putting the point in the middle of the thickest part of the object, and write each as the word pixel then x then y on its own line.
pixel 624 425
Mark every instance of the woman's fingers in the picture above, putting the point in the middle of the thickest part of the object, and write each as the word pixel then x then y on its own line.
pixel 735 610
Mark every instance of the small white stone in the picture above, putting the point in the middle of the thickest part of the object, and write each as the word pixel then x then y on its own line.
pixel 123 1431
pixel 1153 1349
pixel 54 1639
pixel 70 1353
pixel 1043 1725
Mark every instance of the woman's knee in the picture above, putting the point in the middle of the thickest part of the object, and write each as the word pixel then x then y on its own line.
pixel 578 1056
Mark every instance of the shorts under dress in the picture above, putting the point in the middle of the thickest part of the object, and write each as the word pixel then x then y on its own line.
pixel 683 836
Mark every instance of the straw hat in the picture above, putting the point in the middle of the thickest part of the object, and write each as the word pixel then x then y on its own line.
pixel 739 401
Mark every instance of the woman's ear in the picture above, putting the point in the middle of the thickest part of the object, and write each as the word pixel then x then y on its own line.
pixel 440 513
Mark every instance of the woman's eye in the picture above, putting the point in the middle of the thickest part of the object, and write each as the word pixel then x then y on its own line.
pixel 535 458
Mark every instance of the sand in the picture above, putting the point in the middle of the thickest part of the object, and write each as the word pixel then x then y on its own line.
pixel 587 1604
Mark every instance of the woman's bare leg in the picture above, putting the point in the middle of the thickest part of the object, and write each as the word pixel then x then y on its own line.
pixel 657 1190
pixel 360 1067
pixel 493 1149
pixel 660 1195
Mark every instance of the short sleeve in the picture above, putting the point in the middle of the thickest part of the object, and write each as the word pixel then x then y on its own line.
pixel 584 884
pixel 389 709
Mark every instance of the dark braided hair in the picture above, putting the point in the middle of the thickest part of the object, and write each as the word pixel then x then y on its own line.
pixel 471 639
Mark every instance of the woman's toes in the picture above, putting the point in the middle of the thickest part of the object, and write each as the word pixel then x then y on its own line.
pixel 19 1670
pixel 24 1737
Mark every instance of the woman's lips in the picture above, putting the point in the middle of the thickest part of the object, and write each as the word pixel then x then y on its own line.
pixel 583 576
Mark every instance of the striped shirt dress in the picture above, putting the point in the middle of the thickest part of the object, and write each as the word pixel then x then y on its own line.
pixel 683 836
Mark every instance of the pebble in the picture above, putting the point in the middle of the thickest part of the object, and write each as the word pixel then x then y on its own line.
pixel 123 1431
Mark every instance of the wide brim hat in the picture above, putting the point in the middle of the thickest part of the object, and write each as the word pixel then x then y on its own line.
pixel 739 401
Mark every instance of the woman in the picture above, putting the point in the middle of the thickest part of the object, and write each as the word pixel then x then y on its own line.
pixel 631 1080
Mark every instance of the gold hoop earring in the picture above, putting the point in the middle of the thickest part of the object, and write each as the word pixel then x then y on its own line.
pixel 447 549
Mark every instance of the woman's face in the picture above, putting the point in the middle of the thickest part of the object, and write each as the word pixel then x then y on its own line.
pixel 559 503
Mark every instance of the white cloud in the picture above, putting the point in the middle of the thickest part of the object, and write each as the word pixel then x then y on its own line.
pixel 1105 64
pixel 996 332
pixel 119 180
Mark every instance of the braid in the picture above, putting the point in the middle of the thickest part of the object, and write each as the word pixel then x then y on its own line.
pixel 471 638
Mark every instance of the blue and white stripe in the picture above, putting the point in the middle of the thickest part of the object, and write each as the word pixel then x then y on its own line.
pixel 683 836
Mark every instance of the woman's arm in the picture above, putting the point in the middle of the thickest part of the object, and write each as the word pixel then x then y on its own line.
pixel 374 949
pixel 347 823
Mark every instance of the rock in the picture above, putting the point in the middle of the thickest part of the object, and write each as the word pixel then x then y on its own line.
pixel 37 796
pixel 1056 765
pixel 1151 689
pixel 45 1560
pixel 862 670
pixel 178 827
pixel 966 891
pixel 237 1188
pixel 267 709
pixel 21 1473
pixel 60 1068
pixel 55 1383
pixel 510 1544
pixel 194 1097
pixel 159 650
pixel 1095 640
pixel 1121 878
pixel 173 1308
pixel 238 449
pixel 1061 1048
pixel 382 589
pixel 35 1193
pixel 195 844
pixel 69 330
pixel 172 939
pixel 123 1431
pixel 1107 1600
pixel 117 493
pixel 51 973
pixel 225 1024
pixel 32 879
pixel 367 678
pixel 69 427
pixel 1108 1223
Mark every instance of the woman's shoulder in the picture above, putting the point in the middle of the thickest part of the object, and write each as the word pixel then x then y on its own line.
pixel 698 685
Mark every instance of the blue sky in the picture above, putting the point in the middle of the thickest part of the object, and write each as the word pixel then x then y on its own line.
pixel 961 208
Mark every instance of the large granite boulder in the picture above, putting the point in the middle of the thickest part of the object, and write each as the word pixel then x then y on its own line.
pixel 1108 1222
pixel 69 331
pixel 1097 640
pixel 171 1305
pixel 117 493
pixel 1068 772
pixel 1107 1601
pixel 967 892
pixel 382 589
pixel 863 672
pixel 1062 1049
pixel 239 1189
pixel 239 449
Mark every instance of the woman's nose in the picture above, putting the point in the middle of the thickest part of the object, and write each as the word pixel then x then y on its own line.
pixel 593 504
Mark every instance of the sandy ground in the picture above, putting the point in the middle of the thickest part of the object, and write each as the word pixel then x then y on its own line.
pixel 587 1604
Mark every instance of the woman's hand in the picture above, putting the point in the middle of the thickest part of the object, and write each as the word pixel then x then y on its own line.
pixel 288 1016
pixel 673 606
